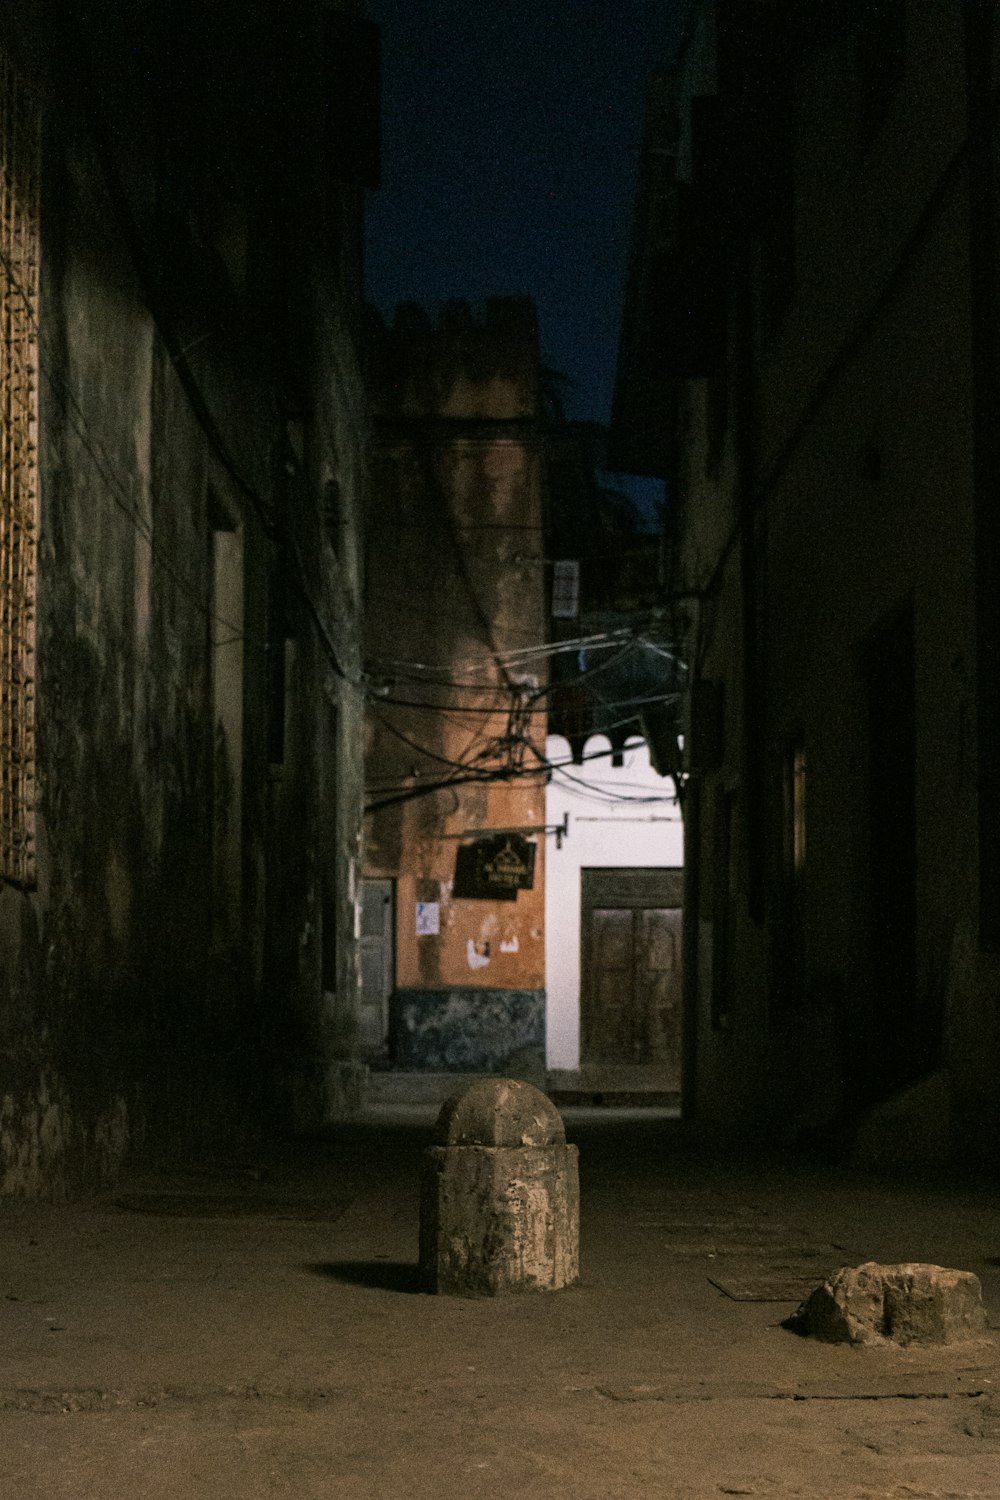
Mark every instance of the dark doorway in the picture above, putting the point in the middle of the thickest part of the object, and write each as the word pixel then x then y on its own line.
pixel 630 997
pixel 902 1044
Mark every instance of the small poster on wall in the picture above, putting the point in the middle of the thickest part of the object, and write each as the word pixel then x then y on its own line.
pixel 428 918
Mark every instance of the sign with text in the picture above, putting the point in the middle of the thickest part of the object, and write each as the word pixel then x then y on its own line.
pixel 495 868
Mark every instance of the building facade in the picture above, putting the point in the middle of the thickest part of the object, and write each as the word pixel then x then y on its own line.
pixel 814 280
pixel 183 428
pixel 613 922
pixel 455 628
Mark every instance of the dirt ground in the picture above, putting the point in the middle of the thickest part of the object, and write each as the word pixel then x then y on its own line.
pixel 249 1330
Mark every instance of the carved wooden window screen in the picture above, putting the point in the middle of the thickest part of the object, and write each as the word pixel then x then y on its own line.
pixel 19 257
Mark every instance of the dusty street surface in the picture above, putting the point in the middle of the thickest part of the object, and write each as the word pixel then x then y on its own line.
pixel 208 1335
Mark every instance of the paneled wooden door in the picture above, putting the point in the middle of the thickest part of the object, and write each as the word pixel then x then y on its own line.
pixel 630 1000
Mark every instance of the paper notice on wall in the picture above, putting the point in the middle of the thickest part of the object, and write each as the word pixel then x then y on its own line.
pixel 428 918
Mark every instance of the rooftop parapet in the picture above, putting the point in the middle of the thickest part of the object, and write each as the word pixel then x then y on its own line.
pixel 458 367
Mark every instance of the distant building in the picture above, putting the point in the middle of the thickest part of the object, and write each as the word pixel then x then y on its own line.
pixel 455 629
pixel 615 668
pixel 613 934
pixel 472 624
pixel 183 427
pixel 809 353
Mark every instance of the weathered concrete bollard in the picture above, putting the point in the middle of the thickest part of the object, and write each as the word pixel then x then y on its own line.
pixel 500 1196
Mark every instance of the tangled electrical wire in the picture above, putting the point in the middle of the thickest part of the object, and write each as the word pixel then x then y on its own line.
pixel 519 706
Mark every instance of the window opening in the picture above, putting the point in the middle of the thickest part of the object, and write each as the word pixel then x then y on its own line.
pixel 566 589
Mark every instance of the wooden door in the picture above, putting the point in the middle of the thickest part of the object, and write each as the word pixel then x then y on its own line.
pixel 631 974
pixel 378 964
pixel 607 1019
pixel 657 1013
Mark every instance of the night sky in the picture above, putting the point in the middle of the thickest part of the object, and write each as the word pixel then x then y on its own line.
pixel 510 144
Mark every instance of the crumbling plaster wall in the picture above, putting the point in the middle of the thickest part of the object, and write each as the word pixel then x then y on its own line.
pixel 106 959
pixel 135 1013
pixel 454 579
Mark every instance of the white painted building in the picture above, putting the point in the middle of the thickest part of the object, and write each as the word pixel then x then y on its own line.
pixel 622 832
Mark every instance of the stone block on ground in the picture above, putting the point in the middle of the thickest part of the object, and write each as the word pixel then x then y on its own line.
pixel 909 1303
pixel 500 1199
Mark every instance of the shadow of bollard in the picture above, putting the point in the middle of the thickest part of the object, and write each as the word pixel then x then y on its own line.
pixel 383 1275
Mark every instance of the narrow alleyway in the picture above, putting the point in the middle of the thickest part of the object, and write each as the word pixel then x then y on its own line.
pixel 249 1330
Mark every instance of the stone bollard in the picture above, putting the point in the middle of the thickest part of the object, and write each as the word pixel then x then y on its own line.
pixel 500 1197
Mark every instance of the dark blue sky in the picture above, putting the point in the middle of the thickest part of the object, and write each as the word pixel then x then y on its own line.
pixel 510 140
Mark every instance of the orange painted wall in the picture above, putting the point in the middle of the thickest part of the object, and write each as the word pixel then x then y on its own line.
pixel 454 589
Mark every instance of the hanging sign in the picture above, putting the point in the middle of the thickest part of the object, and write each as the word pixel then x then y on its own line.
pixel 495 869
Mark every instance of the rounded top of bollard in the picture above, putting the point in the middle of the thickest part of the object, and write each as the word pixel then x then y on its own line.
pixel 499 1112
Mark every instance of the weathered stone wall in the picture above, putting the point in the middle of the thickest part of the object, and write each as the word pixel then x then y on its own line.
pixel 454 589
pixel 161 985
